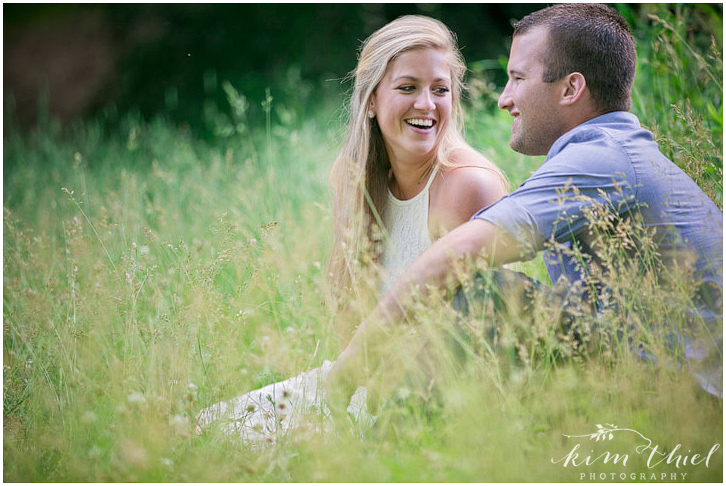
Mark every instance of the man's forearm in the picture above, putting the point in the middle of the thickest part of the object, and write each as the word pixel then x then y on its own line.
pixel 476 242
pixel 434 271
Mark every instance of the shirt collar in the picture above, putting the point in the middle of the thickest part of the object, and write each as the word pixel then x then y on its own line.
pixel 614 117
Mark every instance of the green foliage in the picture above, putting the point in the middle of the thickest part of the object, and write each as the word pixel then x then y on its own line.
pixel 679 87
pixel 149 273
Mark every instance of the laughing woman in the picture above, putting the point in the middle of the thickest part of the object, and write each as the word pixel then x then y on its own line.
pixel 404 177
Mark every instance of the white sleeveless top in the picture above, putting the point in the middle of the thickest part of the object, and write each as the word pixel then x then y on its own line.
pixel 408 233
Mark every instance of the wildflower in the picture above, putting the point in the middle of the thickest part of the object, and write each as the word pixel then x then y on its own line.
pixel 94 452
pixel 134 454
pixel 180 425
pixel 191 394
pixel 88 417
pixel 136 398
pixel 403 393
pixel 178 421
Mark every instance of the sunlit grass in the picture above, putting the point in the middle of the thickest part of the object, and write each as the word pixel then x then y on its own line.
pixel 148 274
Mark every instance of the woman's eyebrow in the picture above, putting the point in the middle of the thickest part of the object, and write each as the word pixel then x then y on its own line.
pixel 405 77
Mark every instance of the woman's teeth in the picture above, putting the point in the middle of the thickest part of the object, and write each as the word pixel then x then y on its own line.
pixel 419 122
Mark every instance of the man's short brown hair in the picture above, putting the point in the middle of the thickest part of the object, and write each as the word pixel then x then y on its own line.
pixel 593 40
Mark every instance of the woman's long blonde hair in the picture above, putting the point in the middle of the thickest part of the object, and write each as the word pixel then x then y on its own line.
pixel 359 176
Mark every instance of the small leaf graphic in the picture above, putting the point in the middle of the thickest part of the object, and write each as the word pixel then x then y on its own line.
pixel 599 426
pixel 611 437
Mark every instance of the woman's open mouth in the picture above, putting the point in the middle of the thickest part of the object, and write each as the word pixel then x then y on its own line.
pixel 421 123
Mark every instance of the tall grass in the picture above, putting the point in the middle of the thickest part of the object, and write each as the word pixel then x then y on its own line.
pixel 148 274
pixel 679 88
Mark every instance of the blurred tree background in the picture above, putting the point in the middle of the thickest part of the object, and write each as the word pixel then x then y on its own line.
pixel 202 65
pixel 73 61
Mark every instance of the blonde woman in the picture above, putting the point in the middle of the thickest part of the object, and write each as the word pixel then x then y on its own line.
pixel 405 175
pixel 403 178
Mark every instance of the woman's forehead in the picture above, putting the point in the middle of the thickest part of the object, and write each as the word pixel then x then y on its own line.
pixel 420 61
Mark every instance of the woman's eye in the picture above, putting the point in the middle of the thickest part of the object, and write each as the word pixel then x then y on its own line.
pixel 441 90
pixel 406 88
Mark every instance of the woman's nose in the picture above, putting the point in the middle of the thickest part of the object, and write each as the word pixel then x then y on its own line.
pixel 424 101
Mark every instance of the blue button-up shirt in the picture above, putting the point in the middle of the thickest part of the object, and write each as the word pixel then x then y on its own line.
pixel 611 161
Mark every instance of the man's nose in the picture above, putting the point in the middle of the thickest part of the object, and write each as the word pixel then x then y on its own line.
pixel 505 99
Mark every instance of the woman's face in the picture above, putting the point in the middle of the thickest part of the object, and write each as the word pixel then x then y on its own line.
pixel 412 104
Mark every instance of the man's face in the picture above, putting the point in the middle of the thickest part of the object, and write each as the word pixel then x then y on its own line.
pixel 533 103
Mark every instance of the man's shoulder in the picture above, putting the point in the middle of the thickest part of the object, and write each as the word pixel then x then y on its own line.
pixel 605 143
pixel 611 129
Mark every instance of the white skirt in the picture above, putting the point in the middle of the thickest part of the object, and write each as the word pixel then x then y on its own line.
pixel 293 406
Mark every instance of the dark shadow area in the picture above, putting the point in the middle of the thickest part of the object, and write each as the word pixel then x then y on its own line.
pixel 70 61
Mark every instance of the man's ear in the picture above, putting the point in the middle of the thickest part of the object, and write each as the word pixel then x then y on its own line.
pixel 573 88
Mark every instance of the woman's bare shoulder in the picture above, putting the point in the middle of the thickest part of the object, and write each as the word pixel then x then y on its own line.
pixel 471 170
pixel 469 184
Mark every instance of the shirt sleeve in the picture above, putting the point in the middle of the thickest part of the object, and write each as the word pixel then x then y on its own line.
pixel 557 200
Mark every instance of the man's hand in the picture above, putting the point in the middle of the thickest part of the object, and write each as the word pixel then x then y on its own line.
pixel 340 385
pixel 353 367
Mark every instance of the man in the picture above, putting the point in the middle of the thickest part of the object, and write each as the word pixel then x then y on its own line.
pixel 571 71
